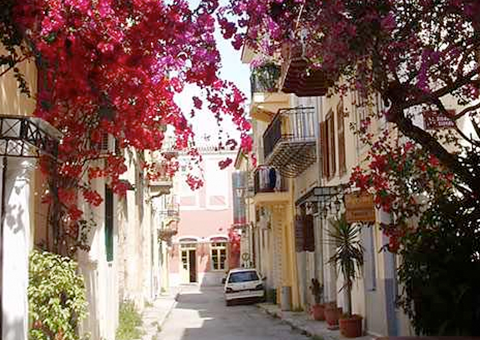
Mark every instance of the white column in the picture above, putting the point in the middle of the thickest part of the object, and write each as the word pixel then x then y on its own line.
pixel 16 248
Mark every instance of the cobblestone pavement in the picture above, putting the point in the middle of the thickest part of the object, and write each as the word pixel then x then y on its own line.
pixel 201 314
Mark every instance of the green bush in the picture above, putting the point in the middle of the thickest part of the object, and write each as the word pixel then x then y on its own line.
pixel 129 322
pixel 440 271
pixel 56 297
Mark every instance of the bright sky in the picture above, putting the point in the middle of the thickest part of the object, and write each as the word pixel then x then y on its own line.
pixel 232 70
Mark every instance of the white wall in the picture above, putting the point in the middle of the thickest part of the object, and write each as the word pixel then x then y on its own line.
pixel 16 248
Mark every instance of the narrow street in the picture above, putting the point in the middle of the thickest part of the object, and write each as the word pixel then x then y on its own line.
pixel 201 314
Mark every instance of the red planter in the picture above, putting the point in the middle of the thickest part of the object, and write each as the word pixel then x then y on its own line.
pixel 318 312
pixel 351 327
pixel 332 314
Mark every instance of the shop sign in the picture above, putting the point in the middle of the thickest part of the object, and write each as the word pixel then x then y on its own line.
pixel 434 120
pixel 359 208
pixel 239 186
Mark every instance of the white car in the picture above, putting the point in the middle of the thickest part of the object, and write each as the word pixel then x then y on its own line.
pixel 243 284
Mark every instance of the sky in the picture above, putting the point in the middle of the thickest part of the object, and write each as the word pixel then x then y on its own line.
pixel 233 70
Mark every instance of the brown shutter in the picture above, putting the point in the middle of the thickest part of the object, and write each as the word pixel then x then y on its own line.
pixel 331 144
pixel 342 163
pixel 324 149
pixel 309 242
pixel 299 234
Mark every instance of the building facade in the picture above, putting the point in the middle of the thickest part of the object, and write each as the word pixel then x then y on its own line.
pixel 200 249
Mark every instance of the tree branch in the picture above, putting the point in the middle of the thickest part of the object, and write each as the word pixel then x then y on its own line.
pixel 465 111
pixel 430 97
pixel 449 160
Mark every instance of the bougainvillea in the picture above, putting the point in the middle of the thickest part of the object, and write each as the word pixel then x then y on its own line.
pixel 234 240
pixel 402 177
pixel 114 67
pixel 420 57
pixel 417 55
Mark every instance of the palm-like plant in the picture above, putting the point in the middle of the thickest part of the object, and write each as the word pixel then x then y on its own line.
pixel 348 256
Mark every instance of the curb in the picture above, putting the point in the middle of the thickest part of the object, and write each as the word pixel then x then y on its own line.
pixel 309 331
pixel 170 309
pixel 295 326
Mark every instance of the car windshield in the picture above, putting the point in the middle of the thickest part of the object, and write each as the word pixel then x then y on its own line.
pixel 243 277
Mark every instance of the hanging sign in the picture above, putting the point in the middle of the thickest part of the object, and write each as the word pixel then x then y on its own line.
pixel 239 186
pixel 359 208
pixel 434 120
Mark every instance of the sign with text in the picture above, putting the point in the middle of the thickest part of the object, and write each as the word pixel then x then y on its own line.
pixel 434 120
pixel 359 208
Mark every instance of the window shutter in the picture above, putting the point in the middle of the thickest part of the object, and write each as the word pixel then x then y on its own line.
pixel 324 149
pixel 109 224
pixel 342 162
pixel 331 144
pixel 309 233
pixel 299 234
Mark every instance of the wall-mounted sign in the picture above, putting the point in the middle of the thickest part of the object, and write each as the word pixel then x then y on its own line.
pixel 359 208
pixel 434 120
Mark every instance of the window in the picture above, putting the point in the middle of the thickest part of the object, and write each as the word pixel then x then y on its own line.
pixel 109 224
pixel 243 277
pixel 219 255
pixel 342 162
pixel 217 185
pixel 327 141
pixel 188 199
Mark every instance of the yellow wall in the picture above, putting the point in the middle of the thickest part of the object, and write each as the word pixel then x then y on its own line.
pixel 12 102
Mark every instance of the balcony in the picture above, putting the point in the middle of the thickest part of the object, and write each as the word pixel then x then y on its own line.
pixel 161 185
pixel 289 141
pixel 168 231
pixel 270 186
pixel 266 98
pixel 264 79
pixel 298 77
pixel 172 212
pixel 265 182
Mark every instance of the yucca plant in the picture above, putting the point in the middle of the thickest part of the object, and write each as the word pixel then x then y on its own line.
pixel 348 256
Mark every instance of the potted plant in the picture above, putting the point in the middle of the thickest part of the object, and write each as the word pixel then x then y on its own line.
pixel 332 314
pixel 348 259
pixel 318 309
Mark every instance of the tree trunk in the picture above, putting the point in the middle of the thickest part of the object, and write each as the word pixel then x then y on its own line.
pixel 429 143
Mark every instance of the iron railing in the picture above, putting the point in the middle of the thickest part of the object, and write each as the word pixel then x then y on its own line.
pixel 293 125
pixel 172 211
pixel 22 136
pixel 265 78
pixel 264 182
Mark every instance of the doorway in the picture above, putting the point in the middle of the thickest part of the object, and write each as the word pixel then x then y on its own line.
pixel 188 263
pixel 192 257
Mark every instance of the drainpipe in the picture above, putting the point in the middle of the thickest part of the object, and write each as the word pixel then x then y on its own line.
pixel 2 218
pixel 319 118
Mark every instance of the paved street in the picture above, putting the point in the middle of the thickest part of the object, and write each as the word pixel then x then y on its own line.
pixel 201 314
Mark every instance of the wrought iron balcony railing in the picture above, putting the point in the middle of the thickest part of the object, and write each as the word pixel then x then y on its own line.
pixel 265 78
pixel 172 211
pixel 268 180
pixel 290 140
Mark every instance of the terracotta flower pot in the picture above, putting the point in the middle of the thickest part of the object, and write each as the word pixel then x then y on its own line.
pixel 332 314
pixel 318 312
pixel 351 327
